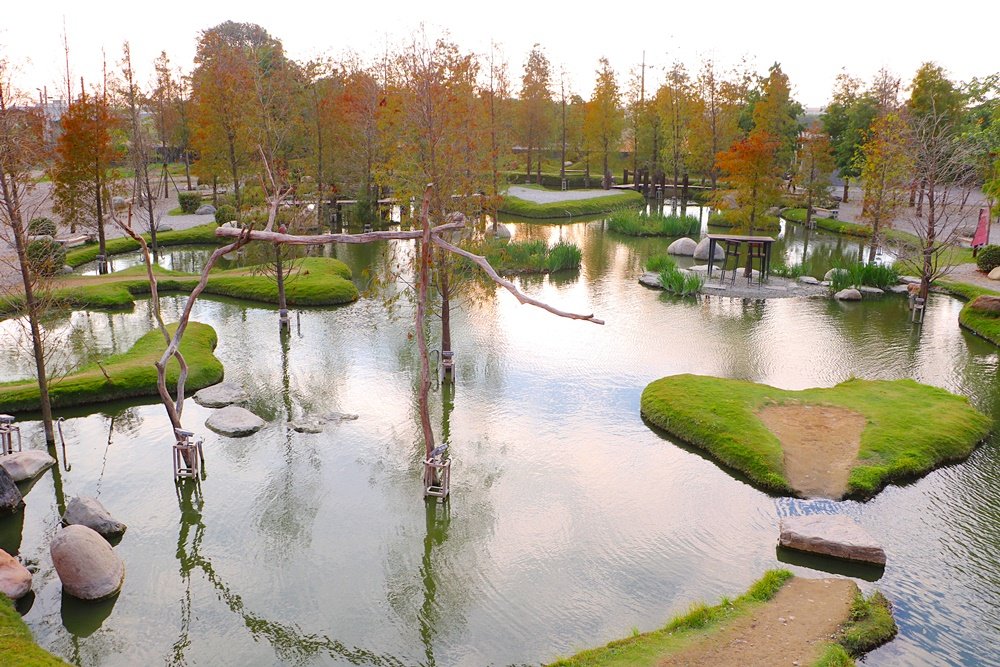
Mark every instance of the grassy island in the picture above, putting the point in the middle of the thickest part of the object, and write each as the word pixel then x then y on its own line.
pixel 514 257
pixel 125 375
pixel 202 234
pixel 829 224
pixel 573 207
pixel 17 647
pixel 903 429
pixel 319 281
pixel 864 623
pixel 638 223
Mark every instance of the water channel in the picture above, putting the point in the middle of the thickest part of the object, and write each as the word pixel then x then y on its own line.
pixel 572 522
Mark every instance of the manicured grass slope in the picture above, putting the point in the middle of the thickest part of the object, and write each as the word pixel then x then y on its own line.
pixel 911 428
pixel 131 373
pixel 651 647
pixel 17 647
pixel 983 323
pixel 572 208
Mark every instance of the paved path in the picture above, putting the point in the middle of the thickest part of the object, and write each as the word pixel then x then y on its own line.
pixel 550 196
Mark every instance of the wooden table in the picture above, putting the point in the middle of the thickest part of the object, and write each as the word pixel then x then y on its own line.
pixel 713 241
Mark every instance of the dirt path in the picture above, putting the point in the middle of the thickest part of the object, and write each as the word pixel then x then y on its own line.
pixel 789 630
pixel 550 196
pixel 821 444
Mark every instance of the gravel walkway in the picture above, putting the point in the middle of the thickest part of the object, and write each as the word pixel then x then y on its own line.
pixel 550 196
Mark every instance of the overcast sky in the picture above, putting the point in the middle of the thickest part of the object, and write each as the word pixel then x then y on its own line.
pixel 813 41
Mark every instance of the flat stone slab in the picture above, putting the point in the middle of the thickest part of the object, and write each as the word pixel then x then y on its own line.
pixel 15 579
pixel 867 289
pixel 87 566
pixel 650 279
pixel 26 465
pixel 831 535
pixel 308 425
pixel 220 395
pixel 234 421
pixel 808 280
pixel 88 511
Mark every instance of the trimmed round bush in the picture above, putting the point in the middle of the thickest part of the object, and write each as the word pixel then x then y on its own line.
pixel 189 201
pixel 988 258
pixel 224 214
pixel 42 227
pixel 46 257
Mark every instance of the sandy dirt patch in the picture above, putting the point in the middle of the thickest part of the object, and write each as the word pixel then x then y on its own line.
pixel 821 445
pixel 791 629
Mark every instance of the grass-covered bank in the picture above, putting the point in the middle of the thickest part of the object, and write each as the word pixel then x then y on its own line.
pixel 202 234
pixel 317 281
pixel 829 224
pixel 979 316
pixel 870 625
pixel 910 428
pixel 125 375
pixel 734 220
pixel 633 222
pixel 17 646
pixel 571 208
pixel 649 648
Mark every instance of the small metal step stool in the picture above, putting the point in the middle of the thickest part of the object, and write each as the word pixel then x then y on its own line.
pixel 7 431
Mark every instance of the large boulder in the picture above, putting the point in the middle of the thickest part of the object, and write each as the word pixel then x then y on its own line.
pixel 26 465
pixel 830 535
pixel 683 246
pixel 234 421
pixel 10 497
pixel 986 304
pixel 701 250
pixel 205 209
pixel 88 511
pixel 220 395
pixel 86 564
pixel 849 294
pixel 15 580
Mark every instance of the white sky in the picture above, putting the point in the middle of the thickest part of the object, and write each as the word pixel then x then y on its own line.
pixel 813 41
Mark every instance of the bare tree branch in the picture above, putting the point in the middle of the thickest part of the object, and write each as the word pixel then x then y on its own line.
pixel 318 239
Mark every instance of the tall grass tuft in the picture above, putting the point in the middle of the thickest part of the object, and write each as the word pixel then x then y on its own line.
pixel 564 256
pixel 858 273
pixel 638 223
pixel 658 263
pixel 681 283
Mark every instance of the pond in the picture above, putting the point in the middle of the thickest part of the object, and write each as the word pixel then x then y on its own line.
pixel 571 520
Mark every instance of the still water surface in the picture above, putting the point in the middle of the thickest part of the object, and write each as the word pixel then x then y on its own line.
pixel 571 521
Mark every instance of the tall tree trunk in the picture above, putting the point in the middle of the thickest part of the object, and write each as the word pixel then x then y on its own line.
pixel 425 372
pixel 846 187
pixel 283 322
pixel 101 244
pixel 187 169
pixel 928 269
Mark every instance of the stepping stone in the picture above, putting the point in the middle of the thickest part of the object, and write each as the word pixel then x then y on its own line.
pixel 220 395
pixel 830 535
pixel 88 511
pixel 308 425
pixel 340 416
pixel 650 279
pixel 683 246
pixel 15 579
pixel 866 289
pixel 808 280
pixel 26 465
pixel 849 294
pixel 87 566
pixel 234 421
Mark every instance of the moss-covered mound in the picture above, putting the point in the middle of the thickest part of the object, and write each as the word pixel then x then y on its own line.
pixel 911 428
pixel 17 647
pixel 318 281
pixel 571 208
pixel 126 375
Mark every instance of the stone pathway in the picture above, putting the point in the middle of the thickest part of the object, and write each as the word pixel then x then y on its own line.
pixel 550 196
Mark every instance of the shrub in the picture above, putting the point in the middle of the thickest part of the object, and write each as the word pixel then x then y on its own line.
pixel 46 257
pixel 224 214
pixel 42 227
pixel 988 258
pixel 189 201
pixel 658 263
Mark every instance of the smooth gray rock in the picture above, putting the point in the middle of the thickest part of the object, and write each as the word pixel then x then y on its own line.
pixel 220 395
pixel 234 421
pixel 205 209
pixel 683 246
pixel 867 289
pixel 503 232
pixel 15 579
pixel 701 268
pixel 831 535
pixel 67 269
pixel 88 511
pixel 340 416
pixel 832 272
pixel 808 280
pixel 10 497
pixel 650 279
pixel 849 294
pixel 900 289
pixel 909 280
pixel 27 464
pixel 994 274
pixel 308 425
pixel 87 566
pixel 825 283
pixel 701 250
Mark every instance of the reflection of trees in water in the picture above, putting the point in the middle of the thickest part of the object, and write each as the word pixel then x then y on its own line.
pixel 290 644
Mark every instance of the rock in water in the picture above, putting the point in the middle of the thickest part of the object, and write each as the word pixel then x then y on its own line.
pixel 650 279
pixel 307 425
pixel 26 465
pixel 89 512
pixel 683 246
pixel 86 564
pixel 220 395
pixel 868 289
pixel 234 421
pixel 849 294
pixel 830 535
pixel 15 580
pixel 701 250
pixel 10 497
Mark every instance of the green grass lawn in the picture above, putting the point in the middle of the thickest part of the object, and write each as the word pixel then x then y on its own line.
pixel 572 208
pixel 911 428
pixel 829 224
pixel 129 374
pixel 318 281
pixel 17 647
pixel 202 234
